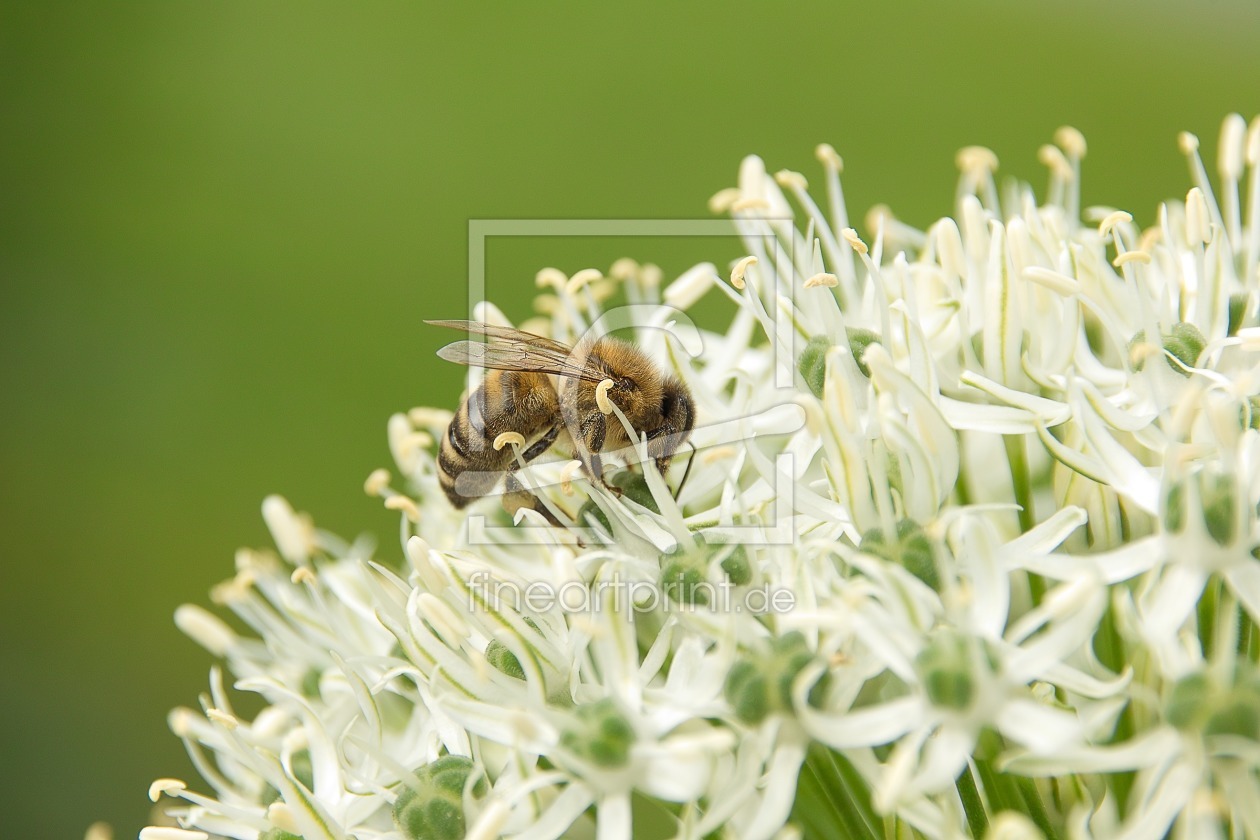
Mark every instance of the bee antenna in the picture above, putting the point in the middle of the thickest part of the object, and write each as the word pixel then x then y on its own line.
pixel 687 471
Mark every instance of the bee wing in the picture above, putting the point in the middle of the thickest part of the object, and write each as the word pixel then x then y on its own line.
pixel 511 349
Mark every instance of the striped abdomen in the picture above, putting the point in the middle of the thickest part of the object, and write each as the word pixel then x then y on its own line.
pixel 507 401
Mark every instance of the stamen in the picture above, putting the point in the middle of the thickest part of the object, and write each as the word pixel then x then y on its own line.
pixel 161 786
pixel 225 719
pixel 303 574
pixel 1071 141
pixel 553 277
pixel 166 833
pixel 99 831
pixel 976 160
pixel 723 201
pixel 566 476
pixel 1131 257
pixel 737 273
pixel 404 504
pixel 581 279
pixel 601 397
pixel 791 180
pixel 1054 160
pixel 377 482
pixel 280 815
pixel 821 279
pixel 508 438
pixel 1112 219
pixel 829 157
pixel 855 242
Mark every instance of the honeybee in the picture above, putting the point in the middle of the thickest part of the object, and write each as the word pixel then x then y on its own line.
pixel 519 395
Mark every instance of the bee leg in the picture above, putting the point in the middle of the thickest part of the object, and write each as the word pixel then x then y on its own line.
pixel 539 446
pixel 593 431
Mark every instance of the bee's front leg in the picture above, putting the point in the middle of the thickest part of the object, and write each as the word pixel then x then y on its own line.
pixel 593 430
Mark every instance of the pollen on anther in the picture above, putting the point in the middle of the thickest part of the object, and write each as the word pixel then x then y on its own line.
pixel 553 277
pixel 404 504
pixel 1188 143
pixel 582 278
pixel 1112 219
pixel 723 200
pixel 791 180
pixel 224 718
pixel 161 786
pixel 1131 257
pixel 1053 159
pixel 507 439
pixel 740 269
pixel 821 279
pixel 601 396
pixel 829 157
pixel 1071 141
pixel 855 242
pixel 376 482
pixel 303 574
pixel 976 158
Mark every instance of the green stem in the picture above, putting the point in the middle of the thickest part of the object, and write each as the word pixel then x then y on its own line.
pixel 1248 643
pixel 1036 808
pixel 1110 649
pixel 973 805
pixel 1207 616
pixel 1021 481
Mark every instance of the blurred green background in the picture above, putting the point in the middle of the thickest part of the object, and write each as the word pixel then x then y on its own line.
pixel 222 224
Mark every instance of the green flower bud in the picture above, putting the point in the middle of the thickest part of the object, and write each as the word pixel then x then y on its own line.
pixel 435 809
pixel 590 511
pixel 947 667
pixel 503 660
pixel 911 550
pixel 738 569
pixel 813 364
pixel 635 488
pixel 600 734
pixel 310 682
pixel 1185 343
pixel 760 685
pixel 859 340
pixel 278 834
pixel 683 580
pixel 1216 493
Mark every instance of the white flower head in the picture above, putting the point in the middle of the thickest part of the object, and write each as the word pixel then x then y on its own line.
pixel 958 509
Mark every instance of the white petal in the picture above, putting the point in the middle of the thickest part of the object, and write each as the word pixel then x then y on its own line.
pixel 866 727
pixel 1041 729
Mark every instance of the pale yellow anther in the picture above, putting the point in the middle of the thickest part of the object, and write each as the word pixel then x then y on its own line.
pixel 546 304
pixel 180 721
pixel 161 786
pixel 280 816
pixel 1198 218
pixel 877 215
pixel 303 574
pixel 855 242
pixel 1229 157
pixel 405 505
pixel 567 472
pixel 976 159
pixel 1188 143
pixel 791 180
pixel 652 275
pixel 829 157
pixel 553 277
pixel 223 718
pixel 581 278
pixel 1253 142
pixel 376 482
pixel 1149 239
pixel 1117 217
pixel 740 269
pixel 537 326
pixel 1071 141
pixel 1131 257
pixel 821 279
pixel 507 439
pixel 601 396
pixel 602 289
pixel 1053 159
pixel 1140 352
pixel 750 204
pixel 625 268
pixel 723 200
pixel 717 453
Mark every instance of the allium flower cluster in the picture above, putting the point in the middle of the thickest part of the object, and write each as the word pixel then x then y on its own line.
pixel 967 546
